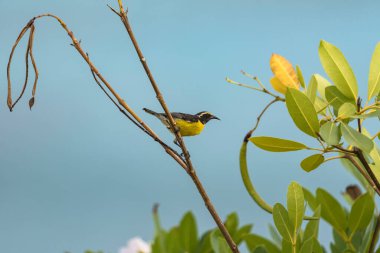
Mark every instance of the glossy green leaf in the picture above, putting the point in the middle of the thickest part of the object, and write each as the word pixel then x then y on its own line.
pixel 346 110
pixel 335 97
pixel 296 206
pixel 312 227
pixel 368 235
pixel 338 69
pixel 242 232
pixel 307 246
pixel 232 223
pixel 274 234
pixel 300 76
pixel 282 222
pixel 317 247
pixel 188 232
pixel 374 74
pixel 320 105
pixel 204 245
pixel 302 112
pixel 173 240
pixel 276 144
pixel 323 83
pixel 218 243
pixel 312 162
pixel 311 91
pixel 368 114
pixel 331 210
pixel 355 138
pixel 361 213
pixel 374 154
pixel 330 133
pixel 254 240
pixel 260 249
pixel 287 247
pixel 310 199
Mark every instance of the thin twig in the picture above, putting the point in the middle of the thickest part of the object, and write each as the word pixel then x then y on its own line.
pixel 362 159
pixel 127 115
pixel 34 65
pixel 22 33
pixel 121 102
pixel 249 134
pixel 189 168
pixel 26 66
pixel 363 172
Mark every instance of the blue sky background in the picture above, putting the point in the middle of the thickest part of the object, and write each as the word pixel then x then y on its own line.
pixel 75 174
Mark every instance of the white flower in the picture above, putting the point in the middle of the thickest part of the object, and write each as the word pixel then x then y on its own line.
pixel 136 245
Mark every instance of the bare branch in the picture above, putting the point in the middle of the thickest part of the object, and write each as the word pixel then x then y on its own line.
pixel 190 169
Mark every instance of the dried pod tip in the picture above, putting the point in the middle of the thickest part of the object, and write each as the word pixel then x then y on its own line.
pixel 353 191
pixel 31 103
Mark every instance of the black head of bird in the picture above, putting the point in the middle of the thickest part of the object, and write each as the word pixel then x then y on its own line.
pixel 205 117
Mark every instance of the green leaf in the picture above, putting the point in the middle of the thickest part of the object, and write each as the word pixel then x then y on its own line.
pixel 232 223
pixel 254 240
pixel 323 83
pixel 336 98
pixel 276 144
pixel 274 234
pixel 332 211
pixel 173 240
pixel 369 114
pixel 374 74
pixel 320 105
pixel 330 133
pixel 307 246
pixel 302 112
pixel 287 247
pixel 300 76
pixel 260 249
pixel 346 110
pixel 361 213
pixel 310 199
pixel 218 243
pixel 338 69
pixel 242 232
pixel 204 245
pixel 311 91
pixel 282 222
pixel 312 162
pixel 317 247
pixel 356 139
pixel 312 227
pixel 188 232
pixel 367 238
pixel 296 207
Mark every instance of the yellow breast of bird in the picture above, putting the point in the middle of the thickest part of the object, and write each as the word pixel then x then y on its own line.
pixel 189 128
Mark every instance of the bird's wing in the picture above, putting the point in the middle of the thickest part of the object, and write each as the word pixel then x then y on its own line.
pixel 185 116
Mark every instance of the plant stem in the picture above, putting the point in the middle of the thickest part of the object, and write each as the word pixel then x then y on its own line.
pixel 363 172
pixel 189 168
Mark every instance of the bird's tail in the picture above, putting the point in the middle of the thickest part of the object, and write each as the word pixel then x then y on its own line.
pixel 151 112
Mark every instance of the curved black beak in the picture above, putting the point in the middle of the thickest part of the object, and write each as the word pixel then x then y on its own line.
pixel 214 117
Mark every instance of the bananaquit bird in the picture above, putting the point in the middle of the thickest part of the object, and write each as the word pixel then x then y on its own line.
pixel 188 124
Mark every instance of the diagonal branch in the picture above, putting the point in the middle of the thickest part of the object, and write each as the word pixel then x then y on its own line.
pixel 362 172
pixel 190 168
